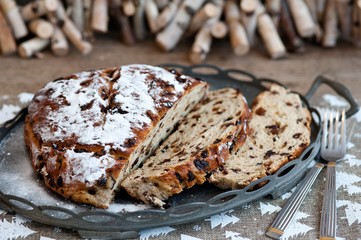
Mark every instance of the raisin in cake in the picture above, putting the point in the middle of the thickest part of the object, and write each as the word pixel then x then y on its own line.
pixel 201 143
pixel 279 132
pixel 87 131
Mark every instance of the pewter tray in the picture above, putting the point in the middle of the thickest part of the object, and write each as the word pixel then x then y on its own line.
pixel 23 193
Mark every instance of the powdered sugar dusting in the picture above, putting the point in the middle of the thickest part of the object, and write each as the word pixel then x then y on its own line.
pixel 162 74
pixel 69 118
pixel 104 113
pixel 25 97
pixel 88 168
pixel 133 91
pixel 7 112
pixel 133 98
pixel 123 207
pixel 103 109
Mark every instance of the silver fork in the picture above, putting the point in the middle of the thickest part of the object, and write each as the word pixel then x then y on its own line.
pixel 289 210
pixel 333 148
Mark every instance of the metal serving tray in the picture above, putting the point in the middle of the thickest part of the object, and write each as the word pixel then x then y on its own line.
pixel 23 193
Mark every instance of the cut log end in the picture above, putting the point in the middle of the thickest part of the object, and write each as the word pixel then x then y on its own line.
pixel 278 54
pixel 29 48
pixel 129 8
pixel 248 6
pixel 163 43
pixel 42 28
pixel 219 30
pixel 241 50
pixel 210 10
pixel 51 5
pixel 85 48
pixel 197 57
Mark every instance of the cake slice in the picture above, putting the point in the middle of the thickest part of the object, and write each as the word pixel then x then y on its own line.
pixel 201 144
pixel 279 132
pixel 87 131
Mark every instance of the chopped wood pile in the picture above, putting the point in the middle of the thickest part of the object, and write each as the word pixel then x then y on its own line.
pixel 282 26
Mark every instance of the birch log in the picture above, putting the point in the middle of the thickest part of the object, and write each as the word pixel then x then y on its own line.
pixel 213 27
pixel 77 15
pixel 70 30
pixel 138 21
pixel 274 7
pixel 249 19
pixel 270 37
pixel 231 11
pixel 14 18
pixel 302 17
pixel 237 33
pixel 313 8
pixel 7 41
pixel 59 44
pixel 201 45
pixel 161 4
pixel 151 12
pixel 170 36
pixel 287 31
pixel 99 20
pixel 219 29
pixel 167 14
pixel 41 28
pixel 28 48
pixel 123 21
pixel 75 37
pixel 344 14
pixel 128 8
pixel 321 4
pixel 238 38
pixel 208 11
pixel 330 25
pixel 248 6
pixel 87 7
pixel 38 8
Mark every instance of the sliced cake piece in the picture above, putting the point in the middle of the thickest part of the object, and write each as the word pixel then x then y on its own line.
pixel 202 143
pixel 87 131
pixel 279 132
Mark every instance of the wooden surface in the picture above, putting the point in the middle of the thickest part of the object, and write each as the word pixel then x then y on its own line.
pixel 296 71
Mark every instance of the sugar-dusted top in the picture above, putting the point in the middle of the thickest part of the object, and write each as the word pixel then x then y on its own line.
pixel 105 107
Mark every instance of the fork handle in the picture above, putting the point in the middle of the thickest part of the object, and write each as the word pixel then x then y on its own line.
pixel 288 212
pixel 328 214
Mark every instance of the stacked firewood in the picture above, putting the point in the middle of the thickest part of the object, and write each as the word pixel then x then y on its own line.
pixel 282 26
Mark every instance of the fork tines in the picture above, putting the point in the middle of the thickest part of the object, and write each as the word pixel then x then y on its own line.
pixel 333 131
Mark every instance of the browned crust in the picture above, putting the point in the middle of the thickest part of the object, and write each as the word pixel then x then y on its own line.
pixel 197 165
pixel 79 191
pixel 75 191
pixel 200 165
pixel 226 183
pixel 298 151
pixel 295 155
pixel 38 112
